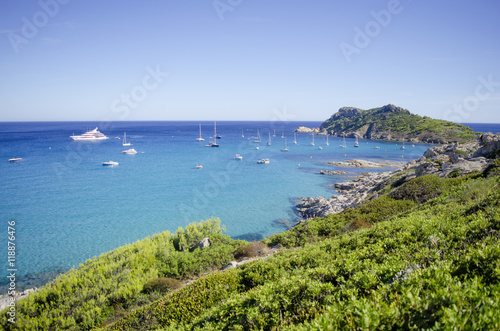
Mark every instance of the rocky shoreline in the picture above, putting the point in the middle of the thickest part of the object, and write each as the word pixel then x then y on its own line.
pixel 446 160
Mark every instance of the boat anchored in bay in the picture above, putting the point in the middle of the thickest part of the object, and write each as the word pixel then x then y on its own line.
pixel 92 135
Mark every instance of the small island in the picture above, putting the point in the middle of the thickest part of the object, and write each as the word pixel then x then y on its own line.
pixel 392 123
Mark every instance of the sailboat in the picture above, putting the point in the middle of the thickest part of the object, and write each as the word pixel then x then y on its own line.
pixel 242 135
pixel 312 144
pixel 343 146
pixel 125 143
pixel 285 149
pixel 215 132
pixel 327 143
pixel 269 142
pixel 283 134
pixel 356 144
pixel 403 147
pixel 200 138
pixel 295 138
pixel 258 137
pixel 214 143
pixel 274 134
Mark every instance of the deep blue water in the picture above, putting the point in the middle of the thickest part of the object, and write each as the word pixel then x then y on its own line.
pixel 69 208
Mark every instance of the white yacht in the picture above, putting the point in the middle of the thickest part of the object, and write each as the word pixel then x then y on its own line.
pixel 130 151
pixel 110 163
pixel 238 157
pixel 92 135
pixel 15 159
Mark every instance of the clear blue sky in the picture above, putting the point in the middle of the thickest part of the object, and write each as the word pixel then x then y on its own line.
pixel 247 59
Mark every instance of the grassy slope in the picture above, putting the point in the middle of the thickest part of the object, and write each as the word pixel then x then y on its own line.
pixel 434 265
pixel 109 286
pixel 402 124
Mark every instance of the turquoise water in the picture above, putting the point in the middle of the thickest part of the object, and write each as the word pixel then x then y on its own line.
pixel 69 208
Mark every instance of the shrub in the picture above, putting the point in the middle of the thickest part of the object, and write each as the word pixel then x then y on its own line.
pixel 455 173
pixel 161 285
pixel 253 249
pixel 420 189
pixel 355 225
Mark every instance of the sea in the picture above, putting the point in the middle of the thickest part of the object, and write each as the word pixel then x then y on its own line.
pixel 66 207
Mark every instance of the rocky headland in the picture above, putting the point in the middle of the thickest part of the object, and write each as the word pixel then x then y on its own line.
pixel 390 122
pixel 448 160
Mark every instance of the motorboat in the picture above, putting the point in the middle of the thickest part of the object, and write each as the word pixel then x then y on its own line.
pixel 92 135
pixel 199 166
pixel 130 151
pixel 16 159
pixel 110 163
pixel 238 157
pixel 263 161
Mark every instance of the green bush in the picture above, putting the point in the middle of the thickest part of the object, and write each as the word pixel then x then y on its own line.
pixel 253 249
pixel 161 285
pixel 420 189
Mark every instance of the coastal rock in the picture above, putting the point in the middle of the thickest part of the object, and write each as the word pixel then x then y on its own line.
pixel 305 129
pixel 439 160
pixel 426 168
pixel 353 193
pixel 204 243
pixel 465 166
pixel 490 144
pixel 230 265
pixel 332 172
pixel 361 164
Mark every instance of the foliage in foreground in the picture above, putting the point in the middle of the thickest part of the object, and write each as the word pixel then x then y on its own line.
pixel 433 266
pixel 107 286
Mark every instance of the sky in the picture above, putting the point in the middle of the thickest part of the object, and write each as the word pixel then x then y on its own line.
pixel 290 60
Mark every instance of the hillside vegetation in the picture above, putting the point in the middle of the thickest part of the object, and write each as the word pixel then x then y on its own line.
pixel 394 123
pixel 420 254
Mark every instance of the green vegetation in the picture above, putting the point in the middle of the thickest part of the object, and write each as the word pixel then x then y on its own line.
pixel 423 254
pixel 399 123
pixel 106 287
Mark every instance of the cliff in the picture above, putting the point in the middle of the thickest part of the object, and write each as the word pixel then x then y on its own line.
pixel 394 123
